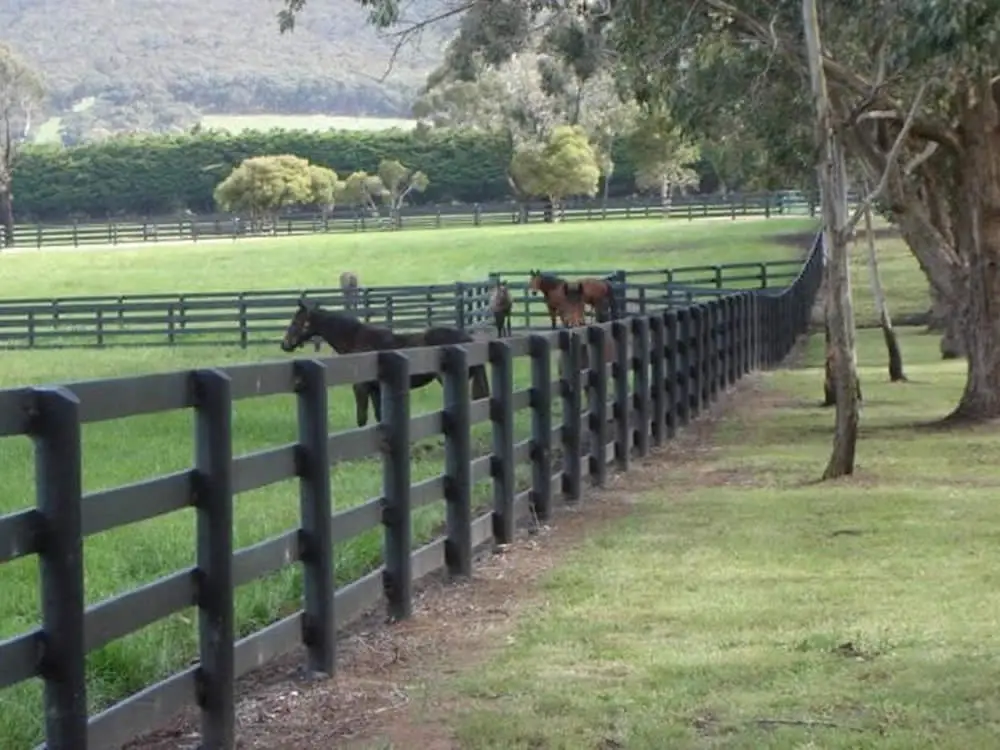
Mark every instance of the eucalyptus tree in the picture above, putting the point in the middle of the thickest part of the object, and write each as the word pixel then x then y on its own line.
pixel 944 193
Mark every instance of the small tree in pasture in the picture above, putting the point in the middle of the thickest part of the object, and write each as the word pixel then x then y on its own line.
pixel 262 185
pixel 21 95
pixel 662 155
pixel 563 166
pixel 325 188
pixel 361 189
pixel 398 182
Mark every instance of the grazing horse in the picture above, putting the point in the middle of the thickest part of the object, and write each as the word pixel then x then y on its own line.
pixel 348 335
pixel 501 304
pixel 349 285
pixel 563 299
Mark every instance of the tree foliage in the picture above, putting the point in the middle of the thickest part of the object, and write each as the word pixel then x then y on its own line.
pixel 664 154
pixel 158 175
pixel 399 182
pixel 263 185
pixel 565 165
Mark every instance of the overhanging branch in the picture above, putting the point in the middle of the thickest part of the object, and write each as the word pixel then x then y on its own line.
pixel 890 161
pixel 839 74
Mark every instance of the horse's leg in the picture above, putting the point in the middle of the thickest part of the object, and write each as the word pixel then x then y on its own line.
pixel 376 395
pixel 361 403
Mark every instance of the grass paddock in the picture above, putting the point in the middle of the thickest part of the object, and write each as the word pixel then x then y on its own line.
pixel 746 606
pixel 128 450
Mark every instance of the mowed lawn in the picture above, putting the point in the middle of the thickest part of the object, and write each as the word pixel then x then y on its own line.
pixel 124 451
pixel 758 609
pixel 905 286
pixel 438 256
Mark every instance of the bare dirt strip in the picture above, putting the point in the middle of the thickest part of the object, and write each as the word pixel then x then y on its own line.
pixel 383 694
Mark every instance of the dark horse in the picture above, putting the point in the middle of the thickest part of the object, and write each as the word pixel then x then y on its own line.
pixel 501 305
pixel 563 298
pixel 348 335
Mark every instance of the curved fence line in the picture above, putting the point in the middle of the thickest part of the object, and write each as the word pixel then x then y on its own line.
pixel 258 317
pixel 623 387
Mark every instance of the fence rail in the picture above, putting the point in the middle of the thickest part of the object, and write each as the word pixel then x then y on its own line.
pixel 258 317
pixel 184 229
pixel 624 386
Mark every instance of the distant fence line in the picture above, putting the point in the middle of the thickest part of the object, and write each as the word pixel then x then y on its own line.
pixel 644 377
pixel 415 217
pixel 256 317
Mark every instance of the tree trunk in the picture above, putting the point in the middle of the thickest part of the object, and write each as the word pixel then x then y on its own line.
pixel 7 214
pixel 666 198
pixel 604 195
pixel 978 234
pixel 829 389
pixel 831 172
pixel 549 210
pixel 896 374
pixel 945 318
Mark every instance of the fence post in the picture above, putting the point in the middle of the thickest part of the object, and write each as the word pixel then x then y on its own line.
pixel 640 377
pixel 457 460
pixel 696 345
pixel 597 404
pixel 460 305
pixel 214 503
pixel 243 321
pixel 397 578
pixel 541 426
pixel 735 340
pixel 658 427
pixel 673 371
pixel 710 364
pixel 569 387
pixel 55 430
pixel 502 461
pixel 315 508
pixel 620 372
pixel 712 318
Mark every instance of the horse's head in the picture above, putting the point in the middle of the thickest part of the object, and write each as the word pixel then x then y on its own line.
pixel 300 330
pixel 535 282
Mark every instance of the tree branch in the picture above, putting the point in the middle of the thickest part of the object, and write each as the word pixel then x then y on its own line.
pixel 838 73
pixel 890 161
pixel 929 150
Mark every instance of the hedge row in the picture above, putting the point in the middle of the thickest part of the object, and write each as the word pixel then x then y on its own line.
pixel 157 175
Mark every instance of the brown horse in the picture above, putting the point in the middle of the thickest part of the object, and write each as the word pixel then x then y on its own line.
pixel 501 305
pixel 348 335
pixel 349 285
pixel 563 299
pixel 600 295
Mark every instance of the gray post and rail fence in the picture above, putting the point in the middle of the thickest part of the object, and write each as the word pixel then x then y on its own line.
pixel 259 317
pixel 667 364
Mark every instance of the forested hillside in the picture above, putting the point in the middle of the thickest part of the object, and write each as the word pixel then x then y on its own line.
pixel 156 64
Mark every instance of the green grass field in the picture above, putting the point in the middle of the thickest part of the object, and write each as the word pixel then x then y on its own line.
pixel 133 449
pixel 441 256
pixel 48 131
pixel 754 608
pixel 905 285
pixel 237 123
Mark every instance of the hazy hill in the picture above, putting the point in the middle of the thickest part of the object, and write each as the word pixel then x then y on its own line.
pixel 158 64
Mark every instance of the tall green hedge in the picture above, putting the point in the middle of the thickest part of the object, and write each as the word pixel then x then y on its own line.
pixel 155 175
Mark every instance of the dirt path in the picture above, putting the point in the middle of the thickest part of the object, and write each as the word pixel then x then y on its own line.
pixel 383 695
